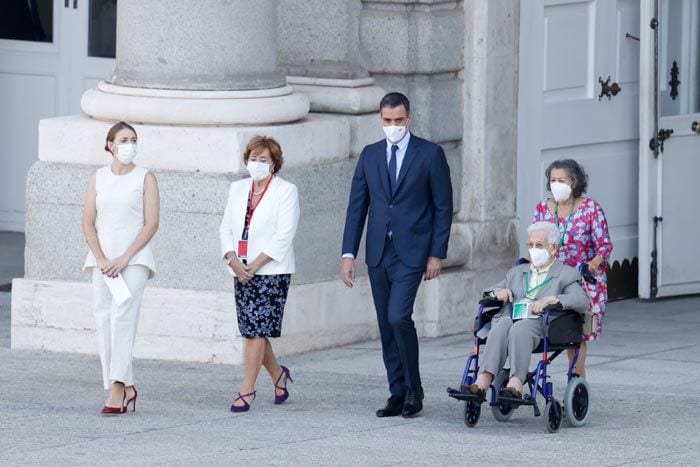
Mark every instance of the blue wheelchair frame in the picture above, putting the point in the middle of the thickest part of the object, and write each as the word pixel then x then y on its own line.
pixel 537 380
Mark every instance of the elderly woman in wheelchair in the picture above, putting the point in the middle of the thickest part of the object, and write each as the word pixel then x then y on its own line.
pixel 520 307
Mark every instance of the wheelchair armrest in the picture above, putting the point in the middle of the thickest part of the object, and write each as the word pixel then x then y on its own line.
pixel 489 302
pixel 557 310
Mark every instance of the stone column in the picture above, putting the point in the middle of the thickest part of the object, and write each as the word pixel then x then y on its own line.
pixel 201 63
pixel 319 44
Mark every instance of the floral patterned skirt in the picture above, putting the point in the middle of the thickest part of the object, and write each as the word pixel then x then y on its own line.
pixel 260 305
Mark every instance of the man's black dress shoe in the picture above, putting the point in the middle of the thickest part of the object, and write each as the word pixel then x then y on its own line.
pixel 394 406
pixel 414 402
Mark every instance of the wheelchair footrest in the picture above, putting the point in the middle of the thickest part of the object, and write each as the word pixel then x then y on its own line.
pixel 516 401
pixel 465 395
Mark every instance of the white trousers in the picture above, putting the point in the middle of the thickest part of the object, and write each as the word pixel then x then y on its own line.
pixel 117 324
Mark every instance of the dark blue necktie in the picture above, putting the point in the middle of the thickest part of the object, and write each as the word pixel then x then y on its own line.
pixel 392 168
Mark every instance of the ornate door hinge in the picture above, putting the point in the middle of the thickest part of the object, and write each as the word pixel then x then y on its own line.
pixel 607 89
pixel 674 81
pixel 656 144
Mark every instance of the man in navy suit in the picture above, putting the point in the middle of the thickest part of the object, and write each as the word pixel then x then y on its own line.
pixel 402 185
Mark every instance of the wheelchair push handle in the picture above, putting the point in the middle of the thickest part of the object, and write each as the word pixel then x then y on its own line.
pixel 586 273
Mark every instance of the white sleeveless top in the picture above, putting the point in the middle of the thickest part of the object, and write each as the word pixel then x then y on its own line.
pixel 120 216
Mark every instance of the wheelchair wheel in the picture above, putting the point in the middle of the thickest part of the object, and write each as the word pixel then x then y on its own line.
pixel 501 412
pixel 553 415
pixel 576 401
pixel 472 411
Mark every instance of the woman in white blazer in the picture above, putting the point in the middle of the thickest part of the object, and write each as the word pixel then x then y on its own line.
pixel 257 234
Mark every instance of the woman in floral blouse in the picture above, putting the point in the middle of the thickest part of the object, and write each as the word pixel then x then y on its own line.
pixel 584 238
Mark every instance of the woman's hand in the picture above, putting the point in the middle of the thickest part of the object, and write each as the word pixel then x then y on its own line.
pixel 114 267
pixel 102 264
pixel 595 263
pixel 503 295
pixel 242 271
pixel 538 306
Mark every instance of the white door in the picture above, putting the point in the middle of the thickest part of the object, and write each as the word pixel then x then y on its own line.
pixel 567 47
pixel 47 50
pixel 669 214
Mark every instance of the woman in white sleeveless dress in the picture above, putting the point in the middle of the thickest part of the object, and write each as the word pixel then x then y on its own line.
pixel 119 220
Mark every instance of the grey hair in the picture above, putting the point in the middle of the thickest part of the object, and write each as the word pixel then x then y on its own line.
pixel 549 228
pixel 574 170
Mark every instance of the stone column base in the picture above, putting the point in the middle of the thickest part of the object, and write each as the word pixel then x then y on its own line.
pixel 200 326
pixel 164 106
pixel 345 96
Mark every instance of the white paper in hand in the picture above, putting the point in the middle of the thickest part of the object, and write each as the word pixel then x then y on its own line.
pixel 118 289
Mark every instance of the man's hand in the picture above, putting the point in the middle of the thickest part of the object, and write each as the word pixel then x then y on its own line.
pixel 433 268
pixel 503 295
pixel 347 271
pixel 538 306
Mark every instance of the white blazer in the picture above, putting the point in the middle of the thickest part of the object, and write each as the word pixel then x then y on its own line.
pixel 272 228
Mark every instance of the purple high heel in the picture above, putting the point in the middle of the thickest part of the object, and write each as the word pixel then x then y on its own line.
pixel 242 408
pixel 288 378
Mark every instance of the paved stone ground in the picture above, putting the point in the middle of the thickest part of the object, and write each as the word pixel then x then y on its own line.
pixel 644 376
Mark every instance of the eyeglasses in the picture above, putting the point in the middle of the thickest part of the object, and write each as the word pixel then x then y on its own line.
pixel 536 245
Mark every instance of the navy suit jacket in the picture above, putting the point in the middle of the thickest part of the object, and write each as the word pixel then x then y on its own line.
pixel 419 212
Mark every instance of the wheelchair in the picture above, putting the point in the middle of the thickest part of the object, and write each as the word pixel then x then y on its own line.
pixel 562 331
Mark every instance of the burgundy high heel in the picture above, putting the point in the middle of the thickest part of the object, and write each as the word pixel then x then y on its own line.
pixel 288 378
pixel 133 399
pixel 242 408
pixel 107 410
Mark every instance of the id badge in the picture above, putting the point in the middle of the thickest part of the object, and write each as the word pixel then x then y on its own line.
pixel 520 310
pixel 242 249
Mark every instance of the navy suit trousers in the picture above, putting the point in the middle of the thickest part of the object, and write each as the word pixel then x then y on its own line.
pixel 394 287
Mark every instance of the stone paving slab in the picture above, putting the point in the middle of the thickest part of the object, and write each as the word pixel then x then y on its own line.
pixel 643 374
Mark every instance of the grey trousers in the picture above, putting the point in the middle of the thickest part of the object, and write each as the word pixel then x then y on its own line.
pixel 515 339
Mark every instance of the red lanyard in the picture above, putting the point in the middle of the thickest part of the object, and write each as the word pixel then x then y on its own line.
pixel 251 209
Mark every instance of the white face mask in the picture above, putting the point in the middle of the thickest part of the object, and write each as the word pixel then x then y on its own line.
pixel 394 133
pixel 126 153
pixel 538 256
pixel 258 170
pixel 560 191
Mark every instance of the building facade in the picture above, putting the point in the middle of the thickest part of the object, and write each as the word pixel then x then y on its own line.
pixel 505 86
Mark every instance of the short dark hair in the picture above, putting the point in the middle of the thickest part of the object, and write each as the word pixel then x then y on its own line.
pixel 395 99
pixel 112 133
pixel 575 171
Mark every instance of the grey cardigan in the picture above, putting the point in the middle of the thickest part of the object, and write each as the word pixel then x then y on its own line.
pixel 565 285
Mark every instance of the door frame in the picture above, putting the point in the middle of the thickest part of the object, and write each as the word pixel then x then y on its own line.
pixel 648 165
